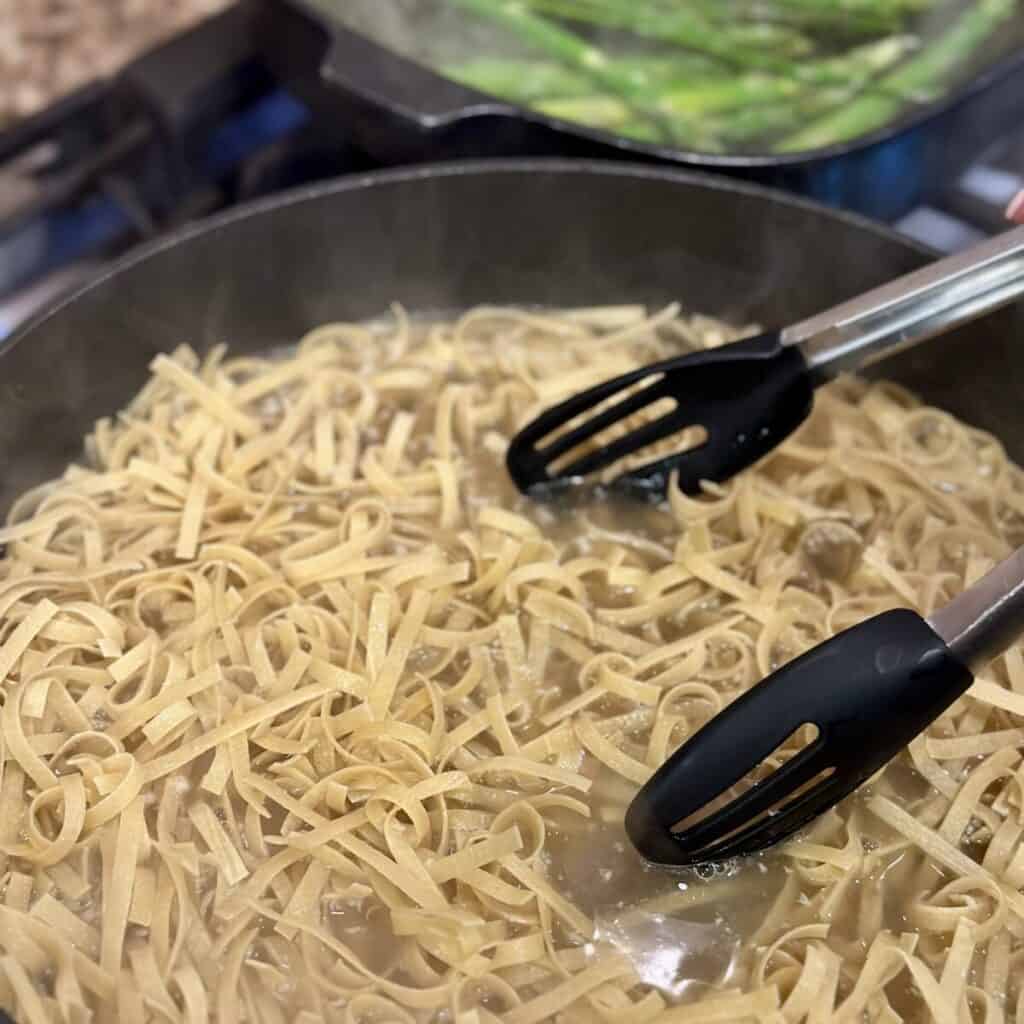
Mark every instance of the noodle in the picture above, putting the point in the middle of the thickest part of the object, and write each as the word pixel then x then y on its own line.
pixel 307 716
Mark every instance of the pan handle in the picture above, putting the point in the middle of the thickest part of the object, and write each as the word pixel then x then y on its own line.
pixel 403 88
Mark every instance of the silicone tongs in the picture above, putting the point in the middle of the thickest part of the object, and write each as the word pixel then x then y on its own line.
pixel 869 691
pixel 751 394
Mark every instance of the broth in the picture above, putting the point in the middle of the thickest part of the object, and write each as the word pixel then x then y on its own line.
pixel 310 716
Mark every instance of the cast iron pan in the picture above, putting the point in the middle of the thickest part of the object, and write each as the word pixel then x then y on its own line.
pixel 541 232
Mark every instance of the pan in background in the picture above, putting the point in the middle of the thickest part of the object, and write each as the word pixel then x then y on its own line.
pixel 401 112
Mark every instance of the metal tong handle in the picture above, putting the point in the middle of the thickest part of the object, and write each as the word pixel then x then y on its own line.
pixel 983 620
pixel 913 308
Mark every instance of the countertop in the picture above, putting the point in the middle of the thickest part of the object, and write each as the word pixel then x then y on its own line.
pixel 50 47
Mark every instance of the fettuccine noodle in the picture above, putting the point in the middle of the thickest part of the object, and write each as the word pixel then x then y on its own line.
pixel 307 716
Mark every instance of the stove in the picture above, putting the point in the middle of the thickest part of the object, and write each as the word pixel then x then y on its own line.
pixel 201 123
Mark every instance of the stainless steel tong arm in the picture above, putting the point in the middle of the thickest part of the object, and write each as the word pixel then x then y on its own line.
pixel 982 621
pixel 913 308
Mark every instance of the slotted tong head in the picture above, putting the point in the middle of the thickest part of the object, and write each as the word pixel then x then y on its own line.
pixel 751 394
pixel 868 691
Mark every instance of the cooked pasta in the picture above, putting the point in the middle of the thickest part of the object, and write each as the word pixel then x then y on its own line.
pixel 307 716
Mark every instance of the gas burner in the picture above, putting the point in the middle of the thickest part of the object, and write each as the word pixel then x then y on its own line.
pixel 195 125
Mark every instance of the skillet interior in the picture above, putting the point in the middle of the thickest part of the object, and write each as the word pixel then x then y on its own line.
pixel 527 232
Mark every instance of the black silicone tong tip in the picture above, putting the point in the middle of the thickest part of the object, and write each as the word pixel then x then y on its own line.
pixel 748 396
pixel 869 691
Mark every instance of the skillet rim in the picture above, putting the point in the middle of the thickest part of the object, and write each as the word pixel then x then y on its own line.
pixel 626 170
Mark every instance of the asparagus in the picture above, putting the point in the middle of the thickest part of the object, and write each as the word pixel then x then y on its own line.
pixel 779 112
pixel 712 91
pixel 843 17
pixel 527 81
pixel 781 40
pixel 854 8
pixel 608 112
pixel 663 72
pixel 556 42
pixel 853 70
pixel 571 98
pixel 858 66
pixel 566 46
pixel 679 26
pixel 677 88
pixel 774 23
pixel 917 77
pixel 728 94
pixel 522 81
pixel 757 123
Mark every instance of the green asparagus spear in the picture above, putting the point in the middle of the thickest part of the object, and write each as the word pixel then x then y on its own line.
pixel 854 69
pixel 778 39
pixel 760 123
pixel 527 81
pixel 611 114
pixel 561 44
pixel 740 108
pixel 864 17
pixel 853 8
pixel 679 26
pixel 521 81
pixel 686 28
pixel 857 66
pixel 763 121
pixel 608 112
pixel 917 77
pixel 657 73
pixel 555 41
pixel 727 94
pixel 697 100
pixel 678 85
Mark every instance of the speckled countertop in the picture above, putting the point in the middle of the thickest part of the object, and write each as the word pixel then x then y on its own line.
pixel 50 47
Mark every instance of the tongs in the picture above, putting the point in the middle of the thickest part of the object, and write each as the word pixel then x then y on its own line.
pixel 868 691
pixel 750 395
